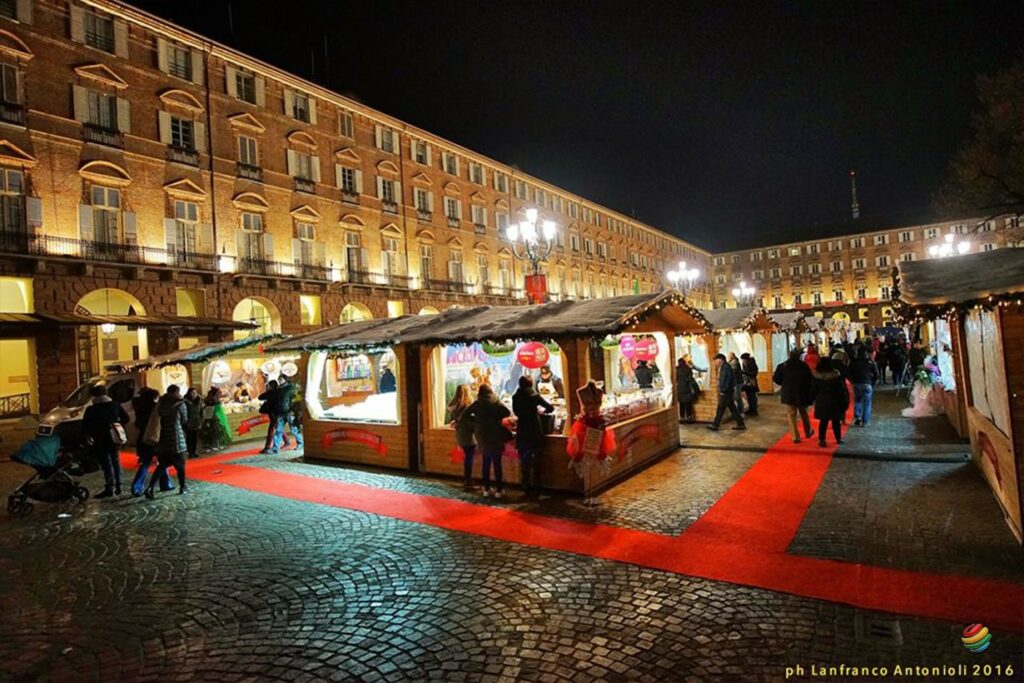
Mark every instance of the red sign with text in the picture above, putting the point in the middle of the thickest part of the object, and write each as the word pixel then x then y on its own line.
pixel 533 355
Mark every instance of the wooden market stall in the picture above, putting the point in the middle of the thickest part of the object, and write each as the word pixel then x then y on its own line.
pixel 791 324
pixel 744 330
pixel 430 356
pixel 980 297
pixel 239 369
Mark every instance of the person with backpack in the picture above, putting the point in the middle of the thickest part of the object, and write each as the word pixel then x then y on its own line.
pixel 103 423
pixel 144 406
pixel 797 384
pixel 171 449
pixel 526 405
pixel 487 414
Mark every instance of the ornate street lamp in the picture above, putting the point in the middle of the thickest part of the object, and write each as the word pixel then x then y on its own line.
pixel 532 240
pixel 743 295
pixel 949 247
pixel 684 278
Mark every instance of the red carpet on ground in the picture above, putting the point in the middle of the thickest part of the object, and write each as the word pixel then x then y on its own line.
pixel 742 539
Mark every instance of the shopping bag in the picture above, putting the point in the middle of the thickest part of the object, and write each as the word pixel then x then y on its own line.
pixel 117 434
pixel 152 434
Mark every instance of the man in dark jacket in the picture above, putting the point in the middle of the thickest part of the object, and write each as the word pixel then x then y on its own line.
pixel 863 375
pixel 526 406
pixel 282 409
pixel 726 395
pixel 644 375
pixel 748 366
pixel 269 407
pixel 796 380
pixel 97 422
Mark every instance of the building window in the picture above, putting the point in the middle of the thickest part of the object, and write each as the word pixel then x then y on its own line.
pixel 251 242
pixel 814 248
pixel 346 125
pixel 245 86
pixel 476 173
pixel 386 139
pixel 798 299
pixel 183 133
pixel 856 243
pixel 859 264
pixel 773 253
pixel 756 256
pixel 758 275
pixel 735 258
pixel 520 189
pixel 719 260
pixel 354 262
pixel 794 251
pixel 881 240
pixel 602 250
pixel 931 233
pixel 777 301
pixel 99 30
pixel 501 182
pixel 737 277
pixel 816 298
pixel 106 214
pixel 815 269
pixel 835 245
pixel 451 163
pixel 102 112
pixel 574 242
pixel 988 246
pixel 776 273
pixel 837 266
pixel 884 290
pixel 422 199
pixel 882 261
pixel 347 177
pixel 837 295
pixel 247 151
pixel 301 165
pixel 907 256
pixel 502 220
pixel 179 61
pixel 309 307
pixel 862 291
pixel 452 209
pixel 300 107
pixel 9 9
pixel 796 270
pixel 12 201
pixel 455 273
pixel 906 236
pixel 479 215
pixel 421 152
pixel 387 191
pixel 390 265
pixel 483 270
pixel 588 246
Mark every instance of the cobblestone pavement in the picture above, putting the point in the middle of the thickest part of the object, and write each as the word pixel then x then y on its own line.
pixel 227 584
pixel 892 435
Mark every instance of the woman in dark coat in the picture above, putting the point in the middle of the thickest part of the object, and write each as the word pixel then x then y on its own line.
pixel 172 448
pixel 526 404
pixel 97 423
pixel 686 390
pixel 144 404
pixel 830 400
pixel 464 437
pixel 487 414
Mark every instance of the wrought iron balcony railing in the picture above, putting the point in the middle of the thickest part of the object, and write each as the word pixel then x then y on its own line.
pixel 181 155
pixel 249 172
pixel 21 242
pixel 305 185
pixel 12 113
pixel 102 136
pixel 16 405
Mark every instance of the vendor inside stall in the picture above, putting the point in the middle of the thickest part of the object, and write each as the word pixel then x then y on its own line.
pixel 240 378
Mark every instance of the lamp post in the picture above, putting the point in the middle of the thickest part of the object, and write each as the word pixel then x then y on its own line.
pixel 683 278
pixel 532 240
pixel 743 294
pixel 949 247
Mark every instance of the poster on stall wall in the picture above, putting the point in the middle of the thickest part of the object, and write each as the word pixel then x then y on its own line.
pixel 472 365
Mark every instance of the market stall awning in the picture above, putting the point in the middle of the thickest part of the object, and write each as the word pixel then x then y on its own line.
pixel 38 320
pixel 194 354
pixel 590 318
pixel 738 319
pixel 962 279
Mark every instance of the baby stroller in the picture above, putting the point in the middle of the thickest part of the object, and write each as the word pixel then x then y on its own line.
pixel 52 481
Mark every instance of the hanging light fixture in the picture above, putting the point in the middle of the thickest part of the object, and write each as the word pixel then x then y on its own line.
pixel 107 329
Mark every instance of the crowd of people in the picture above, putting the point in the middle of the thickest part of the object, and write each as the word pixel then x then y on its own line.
pixel 173 427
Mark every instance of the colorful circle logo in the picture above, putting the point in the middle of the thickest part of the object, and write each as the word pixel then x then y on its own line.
pixel 976 638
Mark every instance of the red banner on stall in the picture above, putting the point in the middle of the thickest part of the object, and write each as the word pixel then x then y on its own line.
pixel 647 431
pixel 247 425
pixel 374 441
pixel 647 349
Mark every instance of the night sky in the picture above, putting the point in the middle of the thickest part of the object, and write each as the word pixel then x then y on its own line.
pixel 729 124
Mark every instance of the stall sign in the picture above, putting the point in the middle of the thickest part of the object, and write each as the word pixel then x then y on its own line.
pixel 647 349
pixel 533 355
pixel 627 346
pixel 246 425
pixel 374 441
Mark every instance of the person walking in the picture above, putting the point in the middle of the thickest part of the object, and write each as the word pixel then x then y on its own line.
pixel 748 366
pixel 268 408
pixel 726 395
pixel 172 449
pixel 796 382
pixel 737 374
pixel 526 405
pixel 897 361
pixel 144 406
pixel 98 425
pixel 882 359
pixel 686 390
pixel 864 375
pixel 487 414
pixel 464 437
pixel 830 400
pixel 194 409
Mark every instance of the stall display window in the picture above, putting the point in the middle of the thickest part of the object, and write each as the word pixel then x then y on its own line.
pixel 781 344
pixel 637 375
pixel 361 387
pixel 697 350
pixel 944 355
pixel 499 366
pixel 240 381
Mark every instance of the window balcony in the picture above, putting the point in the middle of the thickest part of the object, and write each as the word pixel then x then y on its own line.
pixel 453 222
pixel 182 155
pixel 447 286
pixel 349 197
pixel 289 269
pixel 479 228
pixel 12 113
pixel 183 259
pixel 249 172
pixel 102 136
pixel 499 290
pixel 107 252
pixel 424 216
pixel 389 207
pixel 305 185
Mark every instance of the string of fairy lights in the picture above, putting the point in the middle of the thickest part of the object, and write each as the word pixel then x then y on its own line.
pixel 906 313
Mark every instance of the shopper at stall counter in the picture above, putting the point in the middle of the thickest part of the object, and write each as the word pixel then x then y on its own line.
pixel 797 382
pixel 171 449
pixel 97 422
pixel 526 405
pixel 144 406
pixel 644 375
pixel 388 385
pixel 548 377
pixel 686 390
pixel 726 395
pixel 487 413
pixel 463 425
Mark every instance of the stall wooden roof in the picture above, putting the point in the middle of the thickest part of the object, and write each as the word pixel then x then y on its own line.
pixel 789 321
pixel 590 318
pixel 743 319
pixel 194 354
pixel 962 279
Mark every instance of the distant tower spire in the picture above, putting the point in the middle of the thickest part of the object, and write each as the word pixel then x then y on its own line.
pixel 854 206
